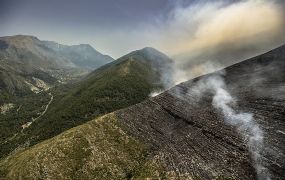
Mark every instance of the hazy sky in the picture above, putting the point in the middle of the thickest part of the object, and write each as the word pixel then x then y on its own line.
pixel 178 28
pixel 79 21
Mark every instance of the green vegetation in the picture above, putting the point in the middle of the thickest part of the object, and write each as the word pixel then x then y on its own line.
pixel 114 86
pixel 99 149
pixel 24 109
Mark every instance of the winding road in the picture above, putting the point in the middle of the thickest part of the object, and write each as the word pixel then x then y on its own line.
pixel 46 108
pixel 34 119
pixel 24 126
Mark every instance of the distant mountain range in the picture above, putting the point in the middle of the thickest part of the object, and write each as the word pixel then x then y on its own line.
pixel 50 55
pixel 23 57
pixel 19 78
pixel 29 67
pixel 82 56
pixel 173 135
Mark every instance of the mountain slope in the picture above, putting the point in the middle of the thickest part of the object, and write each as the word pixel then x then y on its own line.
pixel 28 69
pixel 50 55
pixel 83 55
pixel 17 78
pixel 24 58
pixel 31 51
pixel 60 61
pixel 22 96
pixel 183 126
pixel 86 145
pixel 124 82
pixel 173 134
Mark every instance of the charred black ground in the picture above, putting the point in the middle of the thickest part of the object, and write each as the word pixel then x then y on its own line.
pixel 190 136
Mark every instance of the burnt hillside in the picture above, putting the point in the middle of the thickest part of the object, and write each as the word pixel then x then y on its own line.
pixel 190 135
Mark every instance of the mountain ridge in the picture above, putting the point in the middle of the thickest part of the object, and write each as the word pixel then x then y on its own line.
pixel 43 49
pixel 177 135
pixel 23 54
pixel 82 55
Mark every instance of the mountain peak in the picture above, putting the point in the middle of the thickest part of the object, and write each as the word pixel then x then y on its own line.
pixel 83 55
pixel 21 41
pixel 151 49
pixel 20 38
pixel 85 45
pixel 149 53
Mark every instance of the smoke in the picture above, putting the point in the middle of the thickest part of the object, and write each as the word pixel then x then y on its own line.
pixel 219 33
pixel 218 24
pixel 244 122
pixel 207 31
pixel 170 76
pixel 155 93
pixel 204 33
pixel 223 33
pixel 215 32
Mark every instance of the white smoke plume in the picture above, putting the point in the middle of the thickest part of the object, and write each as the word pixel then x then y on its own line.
pixel 171 75
pixel 244 122
pixel 205 30
pixel 155 93
pixel 214 32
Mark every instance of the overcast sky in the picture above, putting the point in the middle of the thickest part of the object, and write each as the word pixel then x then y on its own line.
pixel 178 28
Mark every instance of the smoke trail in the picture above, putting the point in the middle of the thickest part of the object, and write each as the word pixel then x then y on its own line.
pixel 242 121
pixel 171 75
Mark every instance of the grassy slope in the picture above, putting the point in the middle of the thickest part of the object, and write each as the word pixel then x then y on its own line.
pixel 99 149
